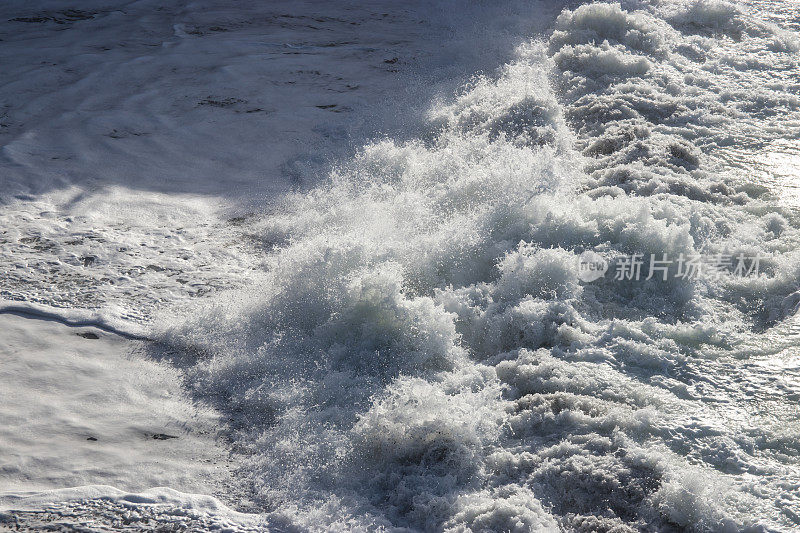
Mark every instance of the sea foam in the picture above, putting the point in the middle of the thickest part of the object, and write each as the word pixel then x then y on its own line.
pixel 420 353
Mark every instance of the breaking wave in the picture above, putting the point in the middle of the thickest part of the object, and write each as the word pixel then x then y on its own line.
pixel 420 352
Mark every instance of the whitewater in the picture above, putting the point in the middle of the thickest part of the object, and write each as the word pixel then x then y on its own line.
pixel 393 335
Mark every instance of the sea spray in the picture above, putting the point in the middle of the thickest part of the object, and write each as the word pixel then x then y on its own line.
pixel 422 354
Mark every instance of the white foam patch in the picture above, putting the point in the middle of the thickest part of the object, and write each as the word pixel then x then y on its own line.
pixel 81 407
pixel 88 506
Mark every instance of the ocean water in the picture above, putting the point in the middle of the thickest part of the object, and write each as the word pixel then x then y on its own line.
pixel 420 353
pixel 412 346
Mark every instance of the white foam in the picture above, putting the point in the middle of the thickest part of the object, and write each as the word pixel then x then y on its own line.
pixel 416 350
pixel 425 352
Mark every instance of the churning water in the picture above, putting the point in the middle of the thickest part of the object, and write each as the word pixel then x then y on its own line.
pixel 421 353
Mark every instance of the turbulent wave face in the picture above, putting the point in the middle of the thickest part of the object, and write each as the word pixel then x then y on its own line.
pixel 421 353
